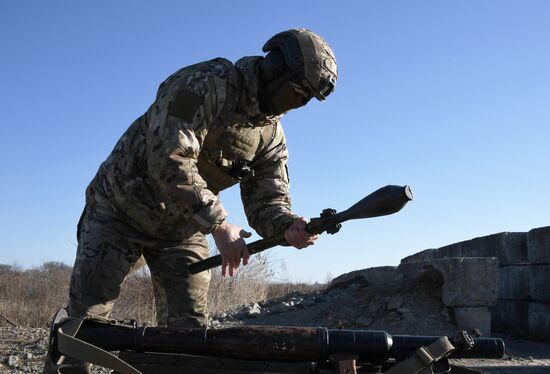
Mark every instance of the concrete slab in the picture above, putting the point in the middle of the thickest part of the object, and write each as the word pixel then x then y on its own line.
pixel 539 282
pixel 514 282
pixel 538 245
pixel 427 254
pixel 376 276
pixel 509 247
pixel 539 321
pixel 473 318
pixel 467 282
pixel 511 317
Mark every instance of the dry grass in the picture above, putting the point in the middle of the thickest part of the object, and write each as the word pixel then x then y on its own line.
pixel 30 297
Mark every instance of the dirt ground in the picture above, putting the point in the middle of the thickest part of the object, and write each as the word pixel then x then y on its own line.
pixel 413 311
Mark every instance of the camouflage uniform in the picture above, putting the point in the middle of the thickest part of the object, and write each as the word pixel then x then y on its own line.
pixel 156 195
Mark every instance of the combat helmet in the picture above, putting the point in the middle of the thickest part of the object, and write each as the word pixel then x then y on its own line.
pixel 309 57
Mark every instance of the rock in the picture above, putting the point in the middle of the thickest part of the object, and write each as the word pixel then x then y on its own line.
pixel 255 310
pixel 308 302
pixel 363 321
pixel 28 356
pixel 394 302
pixel 215 323
pixel 13 361
pixel 404 310
pixel 279 308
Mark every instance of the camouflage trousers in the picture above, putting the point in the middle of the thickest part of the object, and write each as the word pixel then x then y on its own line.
pixel 109 249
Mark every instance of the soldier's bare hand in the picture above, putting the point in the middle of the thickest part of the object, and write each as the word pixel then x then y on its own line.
pixel 230 242
pixel 297 235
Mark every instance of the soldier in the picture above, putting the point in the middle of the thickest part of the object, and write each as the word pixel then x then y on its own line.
pixel 212 125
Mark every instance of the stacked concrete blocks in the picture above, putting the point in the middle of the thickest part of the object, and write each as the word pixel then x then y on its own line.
pixel 523 306
pixel 469 287
pixel 538 245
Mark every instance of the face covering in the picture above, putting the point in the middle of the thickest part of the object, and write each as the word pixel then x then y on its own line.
pixel 281 95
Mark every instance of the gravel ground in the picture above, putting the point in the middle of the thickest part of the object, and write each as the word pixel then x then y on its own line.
pixel 417 311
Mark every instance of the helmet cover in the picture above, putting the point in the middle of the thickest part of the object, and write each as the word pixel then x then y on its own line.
pixel 310 57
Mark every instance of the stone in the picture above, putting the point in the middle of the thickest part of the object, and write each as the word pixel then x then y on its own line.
pixel 511 317
pixel 255 310
pixel 467 281
pixel 538 245
pixel 13 361
pixel 473 318
pixel 539 282
pixel 514 282
pixel 404 310
pixel 539 321
pixel 394 302
pixel 215 323
pixel 279 308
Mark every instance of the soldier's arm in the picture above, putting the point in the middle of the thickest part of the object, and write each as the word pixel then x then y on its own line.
pixel 266 196
pixel 179 119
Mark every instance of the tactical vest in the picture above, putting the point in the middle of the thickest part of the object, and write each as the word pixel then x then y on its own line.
pixel 229 151
pixel 233 141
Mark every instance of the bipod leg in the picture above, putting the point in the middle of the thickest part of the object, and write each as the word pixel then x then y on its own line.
pixel 345 363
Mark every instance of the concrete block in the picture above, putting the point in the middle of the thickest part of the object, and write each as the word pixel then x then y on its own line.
pixel 473 318
pixel 514 282
pixel 538 245
pixel 539 282
pixel 451 250
pixel 539 321
pixel 467 281
pixel 511 317
pixel 427 254
pixel 509 247
pixel 375 276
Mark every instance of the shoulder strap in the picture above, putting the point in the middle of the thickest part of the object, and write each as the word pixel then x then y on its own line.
pixel 69 345
pixel 423 358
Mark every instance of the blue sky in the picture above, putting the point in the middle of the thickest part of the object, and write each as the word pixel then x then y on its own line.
pixel 451 98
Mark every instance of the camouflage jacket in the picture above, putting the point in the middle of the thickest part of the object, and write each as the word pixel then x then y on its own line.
pixel 203 133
